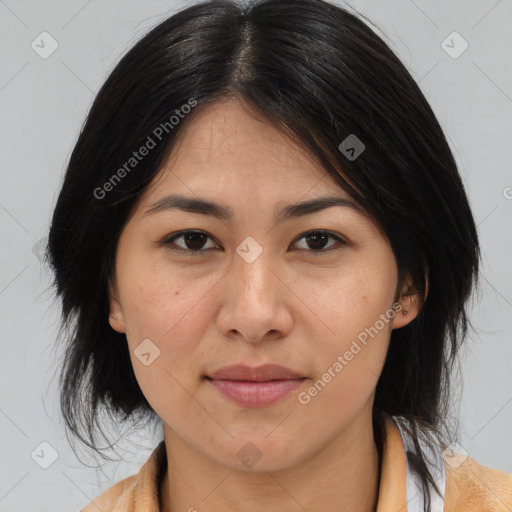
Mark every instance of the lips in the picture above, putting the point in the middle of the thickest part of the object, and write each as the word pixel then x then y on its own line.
pixel 255 387
pixel 263 373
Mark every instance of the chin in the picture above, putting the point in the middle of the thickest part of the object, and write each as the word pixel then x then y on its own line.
pixel 260 454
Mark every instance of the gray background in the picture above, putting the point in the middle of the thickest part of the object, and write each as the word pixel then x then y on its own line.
pixel 43 104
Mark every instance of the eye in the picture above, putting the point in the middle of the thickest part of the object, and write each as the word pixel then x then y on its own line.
pixel 318 239
pixel 194 241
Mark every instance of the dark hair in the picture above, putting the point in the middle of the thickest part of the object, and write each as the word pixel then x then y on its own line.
pixel 319 74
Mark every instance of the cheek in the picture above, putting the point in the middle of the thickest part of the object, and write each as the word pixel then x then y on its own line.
pixel 160 301
pixel 348 371
pixel 347 301
pixel 165 308
pixel 351 337
pixel 170 309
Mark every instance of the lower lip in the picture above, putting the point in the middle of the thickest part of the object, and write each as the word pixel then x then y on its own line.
pixel 255 394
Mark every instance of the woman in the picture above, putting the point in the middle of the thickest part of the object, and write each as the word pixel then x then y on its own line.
pixel 298 354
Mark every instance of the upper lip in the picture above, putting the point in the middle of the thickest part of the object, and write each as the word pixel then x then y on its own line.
pixel 258 374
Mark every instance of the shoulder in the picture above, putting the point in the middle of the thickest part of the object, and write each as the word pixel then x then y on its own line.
pixel 140 491
pixel 468 485
pixel 114 497
pixel 473 487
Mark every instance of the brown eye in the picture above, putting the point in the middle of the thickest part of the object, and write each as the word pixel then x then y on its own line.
pixel 317 240
pixel 193 241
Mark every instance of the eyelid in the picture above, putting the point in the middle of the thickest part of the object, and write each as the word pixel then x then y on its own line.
pixel 168 240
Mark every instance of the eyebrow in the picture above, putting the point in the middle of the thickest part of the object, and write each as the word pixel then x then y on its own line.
pixel 205 207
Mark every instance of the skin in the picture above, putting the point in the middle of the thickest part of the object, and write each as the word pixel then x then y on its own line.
pixel 291 306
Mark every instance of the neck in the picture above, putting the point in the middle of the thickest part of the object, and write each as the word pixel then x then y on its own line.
pixel 345 473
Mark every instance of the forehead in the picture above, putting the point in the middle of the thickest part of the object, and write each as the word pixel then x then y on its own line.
pixel 228 153
pixel 231 132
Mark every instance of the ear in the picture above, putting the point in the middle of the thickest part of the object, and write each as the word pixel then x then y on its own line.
pixel 409 301
pixel 115 319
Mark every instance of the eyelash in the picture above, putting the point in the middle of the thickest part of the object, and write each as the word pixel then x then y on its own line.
pixel 169 240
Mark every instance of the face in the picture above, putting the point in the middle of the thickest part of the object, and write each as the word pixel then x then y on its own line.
pixel 251 289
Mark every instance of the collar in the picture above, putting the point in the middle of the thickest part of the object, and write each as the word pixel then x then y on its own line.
pixel 435 462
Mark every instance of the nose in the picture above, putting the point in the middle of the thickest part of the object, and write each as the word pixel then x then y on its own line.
pixel 255 300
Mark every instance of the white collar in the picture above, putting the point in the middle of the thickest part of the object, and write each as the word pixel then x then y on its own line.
pixel 435 463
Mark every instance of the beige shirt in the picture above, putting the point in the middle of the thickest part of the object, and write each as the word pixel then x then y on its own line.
pixel 468 487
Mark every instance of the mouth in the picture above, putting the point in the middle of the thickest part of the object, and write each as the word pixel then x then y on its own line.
pixel 255 387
